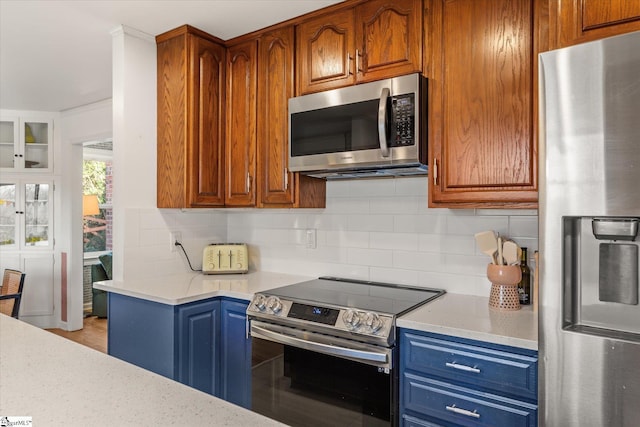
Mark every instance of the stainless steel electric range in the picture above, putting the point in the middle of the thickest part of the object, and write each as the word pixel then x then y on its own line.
pixel 324 353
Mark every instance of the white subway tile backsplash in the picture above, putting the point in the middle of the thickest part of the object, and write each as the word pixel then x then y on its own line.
pixel 394 205
pixel 523 226
pixel 430 224
pixel 363 222
pixel 347 205
pixel 153 219
pixel 442 243
pixel 414 186
pixel 328 222
pixel 379 230
pixel 412 260
pixel 394 275
pixel 371 257
pixel 470 224
pixel 339 189
pixel 343 238
pixel 466 264
pixel 363 188
pixel 397 241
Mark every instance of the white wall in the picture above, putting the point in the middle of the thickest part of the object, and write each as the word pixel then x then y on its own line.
pixel 381 230
pixel 87 123
pixel 141 231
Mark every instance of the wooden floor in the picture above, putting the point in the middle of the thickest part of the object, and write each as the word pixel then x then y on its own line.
pixel 93 334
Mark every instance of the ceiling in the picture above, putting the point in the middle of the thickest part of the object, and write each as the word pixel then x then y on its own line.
pixel 56 55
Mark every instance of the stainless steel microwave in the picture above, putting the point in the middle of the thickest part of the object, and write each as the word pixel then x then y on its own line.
pixel 368 130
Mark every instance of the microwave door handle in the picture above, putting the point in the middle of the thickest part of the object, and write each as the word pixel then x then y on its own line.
pixel 382 122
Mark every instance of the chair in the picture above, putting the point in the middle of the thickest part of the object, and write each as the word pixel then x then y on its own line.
pixel 11 292
pixel 100 272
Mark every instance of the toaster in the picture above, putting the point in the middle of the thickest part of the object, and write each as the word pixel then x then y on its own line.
pixel 225 258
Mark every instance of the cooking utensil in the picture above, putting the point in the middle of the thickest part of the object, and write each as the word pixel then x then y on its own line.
pixel 488 244
pixel 500 258
pixel 510 251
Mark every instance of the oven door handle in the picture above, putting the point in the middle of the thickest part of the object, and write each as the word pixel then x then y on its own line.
pixel 332 350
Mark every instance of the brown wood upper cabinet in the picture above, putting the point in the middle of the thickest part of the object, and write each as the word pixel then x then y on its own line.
pixel 374 40
pixel 278 187
pixel 578 21
pixel 482 99
pixel 240 147
pixel 191 83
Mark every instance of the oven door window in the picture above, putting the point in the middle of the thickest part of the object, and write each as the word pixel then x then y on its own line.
pixel 305 388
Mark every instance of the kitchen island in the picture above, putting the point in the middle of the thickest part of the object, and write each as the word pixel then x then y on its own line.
pixel 59 382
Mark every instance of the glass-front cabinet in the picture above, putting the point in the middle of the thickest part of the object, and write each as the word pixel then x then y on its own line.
pixel 25 144
pixel 26 215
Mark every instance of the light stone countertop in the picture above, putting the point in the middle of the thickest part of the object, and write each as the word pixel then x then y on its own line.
pixel 188 287
pixel 468 316
pixel 58 382
pixel 464 316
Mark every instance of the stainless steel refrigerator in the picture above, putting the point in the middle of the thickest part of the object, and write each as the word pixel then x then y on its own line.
pixel 589 216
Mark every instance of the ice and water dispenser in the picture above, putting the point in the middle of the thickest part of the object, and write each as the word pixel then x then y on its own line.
pixel 600 258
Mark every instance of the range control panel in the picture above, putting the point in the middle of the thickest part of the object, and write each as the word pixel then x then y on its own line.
pixel 350 320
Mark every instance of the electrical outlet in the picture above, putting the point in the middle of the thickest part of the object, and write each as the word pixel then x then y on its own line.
pixel 175 236
pixel 311 238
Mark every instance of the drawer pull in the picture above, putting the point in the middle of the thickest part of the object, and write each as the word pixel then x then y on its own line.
pixel 466 412
pixel 462 367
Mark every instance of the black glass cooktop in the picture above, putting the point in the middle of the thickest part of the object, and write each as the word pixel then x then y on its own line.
pixel 361 295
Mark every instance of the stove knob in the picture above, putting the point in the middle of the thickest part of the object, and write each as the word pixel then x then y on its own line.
pixel 372 322
pixel 260 302
pixel 274 304
pixel 351 318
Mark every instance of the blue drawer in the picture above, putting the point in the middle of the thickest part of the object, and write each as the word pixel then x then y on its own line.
pixel 487 367
pixel 411 421
pixel 456 405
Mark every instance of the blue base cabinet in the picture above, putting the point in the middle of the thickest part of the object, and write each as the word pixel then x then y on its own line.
pixel 203 344
pixel 235 356
pixel 142 332
pixel 199 346
pixel 449 381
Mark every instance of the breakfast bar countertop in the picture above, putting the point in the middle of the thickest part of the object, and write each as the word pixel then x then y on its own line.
pixel 56 381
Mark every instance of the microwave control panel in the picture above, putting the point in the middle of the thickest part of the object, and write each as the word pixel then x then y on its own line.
pixel 403 120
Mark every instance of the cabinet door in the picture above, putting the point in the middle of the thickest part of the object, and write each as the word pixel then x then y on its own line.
pixel 198 347
pixel 241 124
pixel 388 39
pixel 26 212
pixel 275 71
pixel 235 381
pixel 9 137
pixel 191 83
pixel 9 215
pixel 206 148
pixel 35 143
pixel 26 144
pixel 580 21
pixel 39 282
pixel 325 52
pixel 482 136
pixel 37 294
